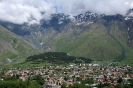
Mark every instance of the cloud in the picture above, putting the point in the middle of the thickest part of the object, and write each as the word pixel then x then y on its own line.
pixel 108 7
pixel 21 11
pixel 32 11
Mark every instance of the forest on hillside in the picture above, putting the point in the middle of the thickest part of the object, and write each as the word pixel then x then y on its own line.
pixel 57 58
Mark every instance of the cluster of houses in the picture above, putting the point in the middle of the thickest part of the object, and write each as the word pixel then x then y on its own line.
pixel 55 76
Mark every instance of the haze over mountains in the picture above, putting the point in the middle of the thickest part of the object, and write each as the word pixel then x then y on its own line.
pixel 105 36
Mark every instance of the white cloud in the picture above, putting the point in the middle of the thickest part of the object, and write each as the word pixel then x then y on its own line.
pixel 21 11
pixel 99 6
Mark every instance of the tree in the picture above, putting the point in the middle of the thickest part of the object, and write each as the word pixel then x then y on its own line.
pixel 19 84
pixel 120 80
pixel 65 78
pixel 63 86
pixel 39 79
pixel 100 85
pixel 34 84
pixel 88 81
pixel 78 79
pixel 76 85
pixel 119 86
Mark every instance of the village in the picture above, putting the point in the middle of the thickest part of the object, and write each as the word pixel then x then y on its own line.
pixel 56 76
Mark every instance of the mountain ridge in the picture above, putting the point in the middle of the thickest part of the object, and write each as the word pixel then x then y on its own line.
pixel 65 35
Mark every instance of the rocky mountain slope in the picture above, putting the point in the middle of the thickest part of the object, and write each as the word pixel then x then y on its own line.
pixel 12 47
pixel 100 37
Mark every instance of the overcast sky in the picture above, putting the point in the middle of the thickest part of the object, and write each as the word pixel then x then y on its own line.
pixel 20 11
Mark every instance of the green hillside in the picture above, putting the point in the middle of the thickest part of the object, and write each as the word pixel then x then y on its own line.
pixel 13 47
pixel 100 41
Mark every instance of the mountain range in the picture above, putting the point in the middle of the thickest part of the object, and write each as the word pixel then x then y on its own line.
pixel 99 37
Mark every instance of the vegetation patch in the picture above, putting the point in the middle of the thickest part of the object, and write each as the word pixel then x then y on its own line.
pixel 57 58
